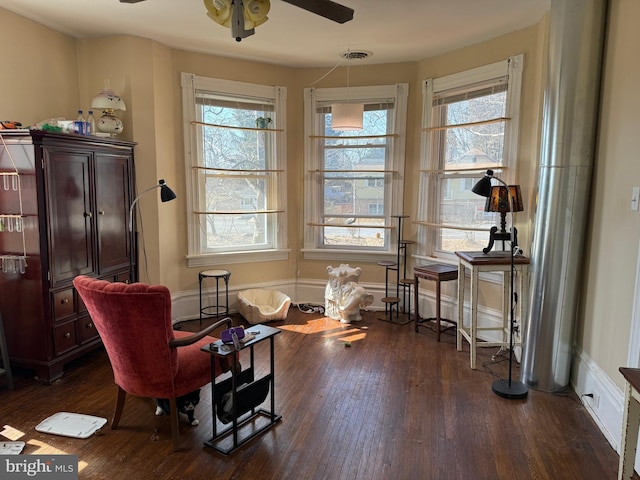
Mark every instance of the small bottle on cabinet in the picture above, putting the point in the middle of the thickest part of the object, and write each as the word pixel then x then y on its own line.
pixel 78 125
pixel 91 124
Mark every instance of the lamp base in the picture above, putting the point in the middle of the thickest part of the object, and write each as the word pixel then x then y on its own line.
pixel 512 390
pixel 495 235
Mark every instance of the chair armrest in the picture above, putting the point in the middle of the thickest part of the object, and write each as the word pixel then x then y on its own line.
pixel 183 341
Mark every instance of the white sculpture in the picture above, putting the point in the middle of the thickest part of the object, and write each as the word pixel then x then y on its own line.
pixel 343 296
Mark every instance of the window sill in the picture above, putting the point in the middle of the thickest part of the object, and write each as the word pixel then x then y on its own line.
pixel 348 255
pixel 237 257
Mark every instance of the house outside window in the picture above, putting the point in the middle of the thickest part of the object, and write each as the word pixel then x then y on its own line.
pixel 235 171
pixel 354 179
pixel 470 125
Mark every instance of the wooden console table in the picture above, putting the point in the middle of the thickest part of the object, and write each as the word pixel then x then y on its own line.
pixel 490 262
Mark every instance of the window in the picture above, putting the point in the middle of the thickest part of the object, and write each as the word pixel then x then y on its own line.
pixel 471 125
pixel 235 170
pixel 353 180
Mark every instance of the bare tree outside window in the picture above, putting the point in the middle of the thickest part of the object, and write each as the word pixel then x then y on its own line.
pixel 353 179
pixel 235 177
pixel 471 145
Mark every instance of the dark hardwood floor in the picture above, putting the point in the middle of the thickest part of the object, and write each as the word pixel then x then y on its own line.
pixel 394 405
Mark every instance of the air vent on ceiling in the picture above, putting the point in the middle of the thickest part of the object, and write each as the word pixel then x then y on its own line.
pixel 355 54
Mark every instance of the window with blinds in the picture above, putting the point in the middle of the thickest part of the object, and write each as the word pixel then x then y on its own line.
pixel 353 176
pixel 469 128
pixel 236 172
pixel 235 183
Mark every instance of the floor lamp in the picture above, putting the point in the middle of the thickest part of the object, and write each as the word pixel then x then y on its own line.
pixel 512 389
pixel 166 195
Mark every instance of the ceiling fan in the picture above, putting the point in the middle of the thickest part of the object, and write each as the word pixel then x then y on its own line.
pixel 240 14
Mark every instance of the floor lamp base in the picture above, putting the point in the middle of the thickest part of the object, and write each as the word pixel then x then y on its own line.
pixel 510 389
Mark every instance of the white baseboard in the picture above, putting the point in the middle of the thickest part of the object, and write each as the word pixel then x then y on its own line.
pixel 606 406
pixel 186 304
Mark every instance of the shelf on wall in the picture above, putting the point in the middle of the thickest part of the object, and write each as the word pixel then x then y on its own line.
pixel 463 125
pixel 239 212
pixel 233 127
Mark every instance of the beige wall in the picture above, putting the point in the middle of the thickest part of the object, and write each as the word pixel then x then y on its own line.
pixel 611 264
pixel 50 74
pixel 39 72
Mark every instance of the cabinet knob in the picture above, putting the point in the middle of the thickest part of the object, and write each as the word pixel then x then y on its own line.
pixel 89 325
pixel 64 301
pixel 67 335
pixel 88 214
pixel 100 212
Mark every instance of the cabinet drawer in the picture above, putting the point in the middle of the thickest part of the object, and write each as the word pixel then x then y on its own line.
pixel 65 337
pixel 124 277
pixel 86 330
pixel 63 304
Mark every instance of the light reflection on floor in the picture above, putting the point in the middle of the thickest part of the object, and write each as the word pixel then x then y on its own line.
pixel 41 448
pixel 344 332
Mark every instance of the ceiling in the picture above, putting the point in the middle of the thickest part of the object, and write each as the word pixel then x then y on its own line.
pixel 393 30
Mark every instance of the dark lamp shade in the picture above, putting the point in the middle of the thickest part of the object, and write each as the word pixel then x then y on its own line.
pixel 166 194
pixel 483 187
pixel 499 201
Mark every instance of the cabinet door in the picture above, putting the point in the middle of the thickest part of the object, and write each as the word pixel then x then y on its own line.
pixel 112 201
pixel 71 225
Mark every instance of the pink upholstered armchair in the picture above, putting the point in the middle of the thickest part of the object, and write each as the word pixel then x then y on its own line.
pixel 149 358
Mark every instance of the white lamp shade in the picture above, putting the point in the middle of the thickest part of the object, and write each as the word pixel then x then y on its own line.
pixel 346 116
pixel 108 100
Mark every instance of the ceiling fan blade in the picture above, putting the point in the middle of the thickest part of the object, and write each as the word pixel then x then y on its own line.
pixel 325 8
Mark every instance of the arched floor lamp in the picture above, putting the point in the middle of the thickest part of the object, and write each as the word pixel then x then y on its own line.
pixel 166 195
pixel 512 389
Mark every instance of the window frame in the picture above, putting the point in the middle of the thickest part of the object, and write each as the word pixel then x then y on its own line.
pixel 196 256
pixel 429 184
pixel 313 161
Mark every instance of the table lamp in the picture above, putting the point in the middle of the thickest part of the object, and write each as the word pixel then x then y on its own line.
pixel 498 200
pixel 108 102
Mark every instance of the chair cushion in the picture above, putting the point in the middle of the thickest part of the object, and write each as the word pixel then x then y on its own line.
pixel 194 365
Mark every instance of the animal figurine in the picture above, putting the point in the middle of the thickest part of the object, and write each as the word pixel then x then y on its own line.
pixel 186 404
pixel 352 297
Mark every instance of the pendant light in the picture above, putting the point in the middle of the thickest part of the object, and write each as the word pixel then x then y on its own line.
pixel 347 116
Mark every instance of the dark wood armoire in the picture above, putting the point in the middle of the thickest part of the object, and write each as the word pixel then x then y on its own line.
pixel 64 211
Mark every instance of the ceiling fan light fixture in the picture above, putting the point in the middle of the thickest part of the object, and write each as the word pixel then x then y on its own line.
pixel 225 13
pixel 219 11
pixel 346 116
pixel 255 13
